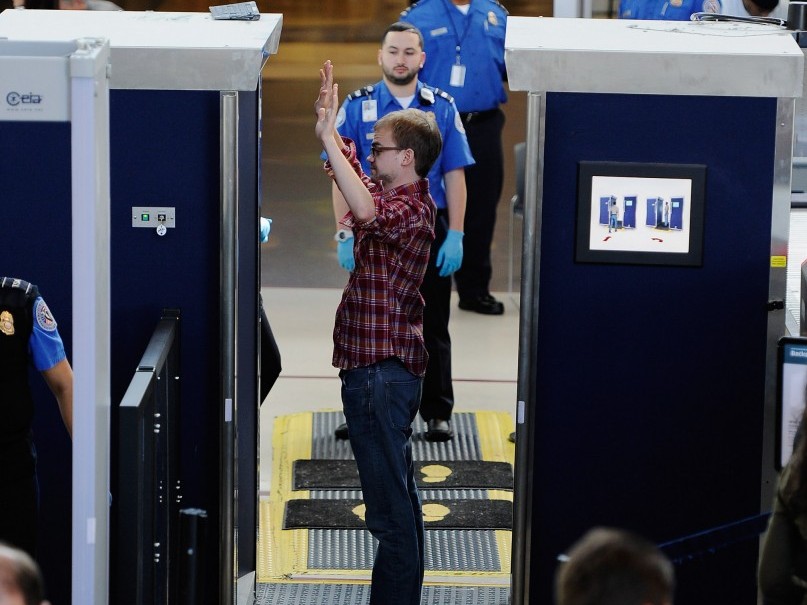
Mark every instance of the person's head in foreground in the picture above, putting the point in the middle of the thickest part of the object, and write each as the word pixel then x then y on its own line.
pixel 614 567
pixel 20 579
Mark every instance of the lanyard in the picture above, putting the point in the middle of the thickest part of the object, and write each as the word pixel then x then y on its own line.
pixel 449 8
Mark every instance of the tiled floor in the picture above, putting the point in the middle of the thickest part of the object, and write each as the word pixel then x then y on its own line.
pixel 301 279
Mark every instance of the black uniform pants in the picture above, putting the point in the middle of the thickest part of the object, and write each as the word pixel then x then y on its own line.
pixel 19 494
pixel 484 181
pixel 437 400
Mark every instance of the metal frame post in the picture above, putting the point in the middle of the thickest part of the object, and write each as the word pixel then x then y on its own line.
pixel 527 348
pixel 228 496
pixel 777 288
pixel 89 115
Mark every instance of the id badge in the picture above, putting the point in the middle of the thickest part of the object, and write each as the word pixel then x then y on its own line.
pixel 369 110
pixel 457 75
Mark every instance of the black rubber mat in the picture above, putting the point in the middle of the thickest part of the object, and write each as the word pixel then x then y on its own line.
pixel 359 594
pixel 429 474
pixel 437 514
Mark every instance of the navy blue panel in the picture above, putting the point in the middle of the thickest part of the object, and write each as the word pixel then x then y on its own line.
pixel 650 380
pixel 165 152
pixel 35 231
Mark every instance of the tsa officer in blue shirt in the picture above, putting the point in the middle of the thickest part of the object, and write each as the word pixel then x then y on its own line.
pixel 464 43
pixel 401 57
pixel 666 10
pixel 28 337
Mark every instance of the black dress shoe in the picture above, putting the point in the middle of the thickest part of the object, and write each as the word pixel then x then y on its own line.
pixel 341 431
pixel 439 430
pixel 485 304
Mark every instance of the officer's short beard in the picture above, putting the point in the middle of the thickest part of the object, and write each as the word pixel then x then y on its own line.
pixel 400 80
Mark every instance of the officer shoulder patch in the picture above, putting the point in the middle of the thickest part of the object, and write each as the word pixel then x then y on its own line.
pixel 458 123
pixel 365 91
pixel 341 116
pixel 44 318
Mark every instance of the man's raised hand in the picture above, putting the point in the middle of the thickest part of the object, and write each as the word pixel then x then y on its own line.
pixel 327 103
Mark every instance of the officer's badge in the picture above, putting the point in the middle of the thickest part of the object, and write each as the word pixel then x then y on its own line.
pixel 711 6
pixel 492 19
pixel 43 316
pixel 7 323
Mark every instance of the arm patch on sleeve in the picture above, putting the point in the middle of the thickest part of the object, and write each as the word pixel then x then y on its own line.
pixel 44 318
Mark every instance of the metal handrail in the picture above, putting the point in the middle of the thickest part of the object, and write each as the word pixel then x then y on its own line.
pixel 149 492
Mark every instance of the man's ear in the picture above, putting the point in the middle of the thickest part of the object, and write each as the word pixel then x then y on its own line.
pixel 407 157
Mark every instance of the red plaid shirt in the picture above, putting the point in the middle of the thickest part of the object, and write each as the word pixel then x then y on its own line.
pixel 381 313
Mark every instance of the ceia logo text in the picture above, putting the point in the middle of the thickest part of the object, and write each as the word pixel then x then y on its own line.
pixel 15 98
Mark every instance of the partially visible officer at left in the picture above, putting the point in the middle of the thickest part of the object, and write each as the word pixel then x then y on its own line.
pixel 28 336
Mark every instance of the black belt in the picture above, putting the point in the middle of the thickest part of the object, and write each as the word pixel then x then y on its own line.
pixel 478 116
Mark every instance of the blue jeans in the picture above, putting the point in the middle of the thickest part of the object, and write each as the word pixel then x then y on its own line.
pixel 380 402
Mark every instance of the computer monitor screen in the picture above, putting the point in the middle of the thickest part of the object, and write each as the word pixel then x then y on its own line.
pixel 792 394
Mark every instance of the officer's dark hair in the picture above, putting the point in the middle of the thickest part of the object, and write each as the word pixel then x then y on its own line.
pixel 614 567
pixel 417 130
pixel 765 6
pixel 42 4
pixel 18 571
pixel 400 26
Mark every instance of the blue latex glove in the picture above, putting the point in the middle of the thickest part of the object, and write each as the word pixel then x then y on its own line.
pixel 266 226
pixel 449 258
pixel 344 252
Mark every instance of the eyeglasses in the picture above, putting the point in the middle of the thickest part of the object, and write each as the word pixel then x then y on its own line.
pixel 377 149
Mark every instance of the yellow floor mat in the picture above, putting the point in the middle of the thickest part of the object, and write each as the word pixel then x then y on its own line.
pixel 283 555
